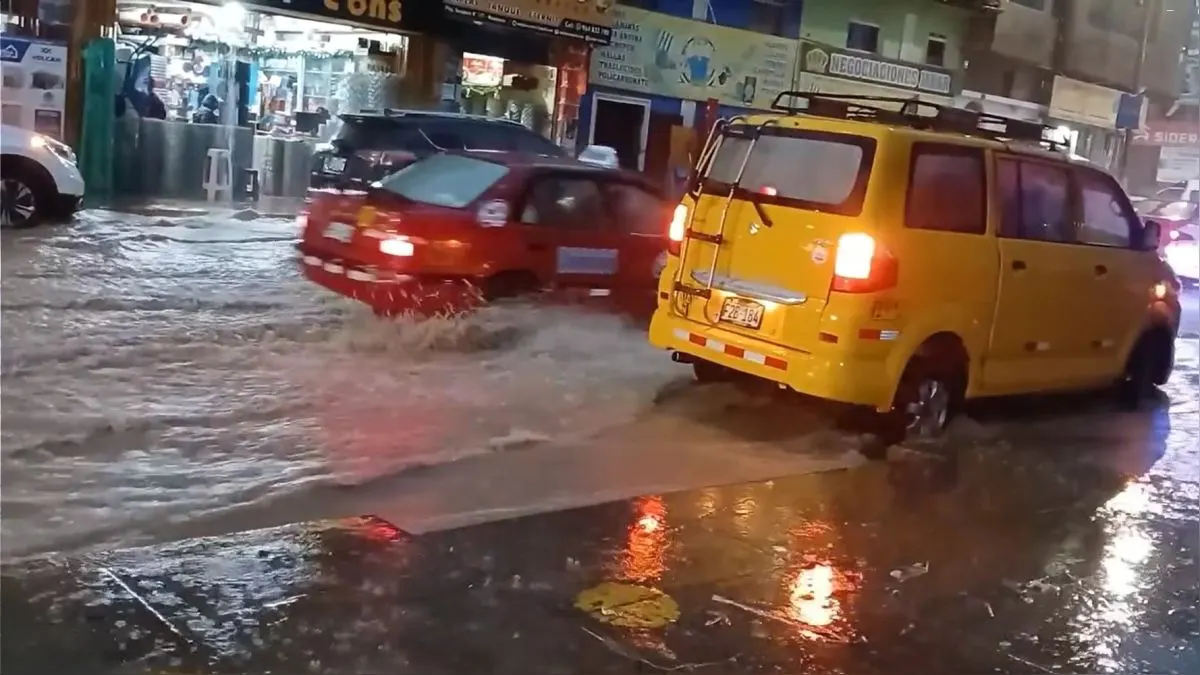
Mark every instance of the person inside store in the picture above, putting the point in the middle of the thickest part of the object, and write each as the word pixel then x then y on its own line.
pixel 155 109
pixel 209 111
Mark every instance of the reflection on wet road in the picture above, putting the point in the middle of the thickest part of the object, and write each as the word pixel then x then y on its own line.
pixel 1014 561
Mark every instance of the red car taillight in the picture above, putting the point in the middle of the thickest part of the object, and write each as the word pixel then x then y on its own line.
pixel 677 229
pixel 862 265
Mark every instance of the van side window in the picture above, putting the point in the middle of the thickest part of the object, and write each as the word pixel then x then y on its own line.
pixel 946 189
pixel 1107 219
pixel 1035 201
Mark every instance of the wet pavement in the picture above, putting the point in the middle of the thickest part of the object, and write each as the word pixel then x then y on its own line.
pixel 169 378
pixel 1010 563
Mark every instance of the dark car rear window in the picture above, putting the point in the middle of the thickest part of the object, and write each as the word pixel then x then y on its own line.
pixel 445 180
pixel 477 135
pixel 379 133
pixel 424 135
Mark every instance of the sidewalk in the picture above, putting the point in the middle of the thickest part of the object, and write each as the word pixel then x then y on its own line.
pixel 264 207
pixel 867 571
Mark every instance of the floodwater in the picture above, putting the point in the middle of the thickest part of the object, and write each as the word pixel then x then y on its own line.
pixel 165 377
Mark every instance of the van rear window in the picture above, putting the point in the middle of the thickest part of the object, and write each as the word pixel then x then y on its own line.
pixel 809 169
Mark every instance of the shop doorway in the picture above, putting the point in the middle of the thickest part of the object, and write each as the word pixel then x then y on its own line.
pixel 622 124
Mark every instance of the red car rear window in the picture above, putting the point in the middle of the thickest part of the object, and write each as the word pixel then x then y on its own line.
pixel 445 180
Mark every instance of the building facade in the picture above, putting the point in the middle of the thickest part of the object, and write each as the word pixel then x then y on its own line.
pixel 899 50
pixel 672 62
pixel 668 58
pixel 1079 65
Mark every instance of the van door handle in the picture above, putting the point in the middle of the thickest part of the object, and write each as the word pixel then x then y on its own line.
pixel 1101 270
pixel 1018 265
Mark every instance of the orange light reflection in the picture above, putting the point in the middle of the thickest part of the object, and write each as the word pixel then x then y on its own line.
pixel 647 542
pixel 812 598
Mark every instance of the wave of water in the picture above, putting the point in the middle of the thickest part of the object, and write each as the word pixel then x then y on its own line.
pixel 156 370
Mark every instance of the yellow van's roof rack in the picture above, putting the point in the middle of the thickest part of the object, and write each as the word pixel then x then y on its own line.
pixel 916 114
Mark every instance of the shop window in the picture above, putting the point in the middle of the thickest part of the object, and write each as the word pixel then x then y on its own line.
pixel 637 210
pixel 935 50
pixel 863 37
pixel 1107 218
pixel 564 202
pixel 939 170
pixel 1035 201
pixel 766 16
pixel 1119 16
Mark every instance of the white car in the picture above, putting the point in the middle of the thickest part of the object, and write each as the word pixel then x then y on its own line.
pixel 1182 253
pixel 38 178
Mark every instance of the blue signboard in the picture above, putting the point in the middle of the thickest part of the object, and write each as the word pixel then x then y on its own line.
pixel 601 261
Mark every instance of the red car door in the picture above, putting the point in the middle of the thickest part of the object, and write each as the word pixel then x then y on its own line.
pixel 640 218
pixel 568 230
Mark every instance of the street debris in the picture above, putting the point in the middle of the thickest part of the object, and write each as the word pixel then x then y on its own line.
pixel 715 618
pixel 814 631
pixel 1029 589
pixel 903 574
pixel 620 650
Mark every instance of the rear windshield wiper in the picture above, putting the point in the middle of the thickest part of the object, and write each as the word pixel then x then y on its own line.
pixel 753 198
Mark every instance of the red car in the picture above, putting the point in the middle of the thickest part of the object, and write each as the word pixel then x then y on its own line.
pixel 455 229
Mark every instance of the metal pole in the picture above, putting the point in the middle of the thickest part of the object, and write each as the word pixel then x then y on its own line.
pixel 1151 9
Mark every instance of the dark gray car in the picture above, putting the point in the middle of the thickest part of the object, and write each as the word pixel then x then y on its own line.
pixel 370 146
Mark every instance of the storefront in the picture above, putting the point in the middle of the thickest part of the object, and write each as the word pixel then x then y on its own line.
pixel 1001 106
pixel 268 78
pixel 831 70
pixel 1166 152
pixel 646 84
pixel 524 60
pixel 1085 117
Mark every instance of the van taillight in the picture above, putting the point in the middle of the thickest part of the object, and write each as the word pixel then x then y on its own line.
pixel 677 229
pixel 862 265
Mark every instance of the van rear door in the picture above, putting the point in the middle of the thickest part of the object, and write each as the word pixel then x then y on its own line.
pixel 769 212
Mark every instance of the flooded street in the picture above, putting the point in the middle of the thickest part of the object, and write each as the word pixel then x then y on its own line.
pixel 166 377
pixel 171 383
pixel 159 372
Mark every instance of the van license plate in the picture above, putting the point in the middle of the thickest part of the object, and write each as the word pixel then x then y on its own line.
pixel 335 164
pixel 741 312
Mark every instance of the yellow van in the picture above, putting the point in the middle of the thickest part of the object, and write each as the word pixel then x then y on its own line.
pixel 906 260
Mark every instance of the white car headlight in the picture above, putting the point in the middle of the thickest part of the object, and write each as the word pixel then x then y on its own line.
pixel 60 149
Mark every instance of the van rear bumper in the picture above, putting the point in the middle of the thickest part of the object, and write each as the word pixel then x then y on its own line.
pixel 834 376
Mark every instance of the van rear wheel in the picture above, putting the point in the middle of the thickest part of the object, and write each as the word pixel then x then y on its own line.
pixel 928 397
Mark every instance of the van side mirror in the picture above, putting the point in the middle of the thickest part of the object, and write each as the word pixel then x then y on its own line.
pixel 1151 235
